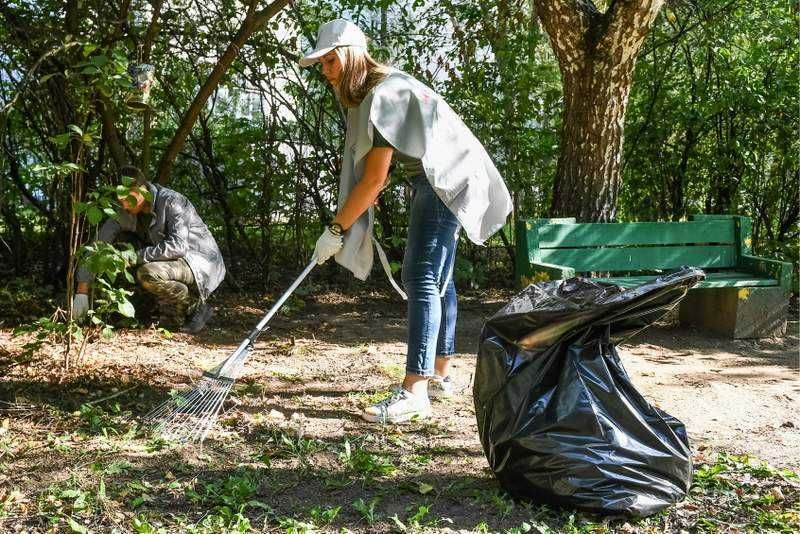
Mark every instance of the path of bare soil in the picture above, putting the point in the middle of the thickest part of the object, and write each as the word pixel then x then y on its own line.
pixel 309 377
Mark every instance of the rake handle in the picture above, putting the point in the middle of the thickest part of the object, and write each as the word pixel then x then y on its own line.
pixel 275 307
pixel 250 340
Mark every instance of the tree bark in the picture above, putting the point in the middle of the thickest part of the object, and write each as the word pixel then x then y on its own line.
pixel 147 116
pixel 110 133
pixel 596 54
pixel 252 22
pixel 17 248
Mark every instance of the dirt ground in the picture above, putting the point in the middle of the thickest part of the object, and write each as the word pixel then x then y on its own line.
pixel 322 360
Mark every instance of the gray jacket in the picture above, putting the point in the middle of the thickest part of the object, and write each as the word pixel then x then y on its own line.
pixel 178 232
pixel 420 124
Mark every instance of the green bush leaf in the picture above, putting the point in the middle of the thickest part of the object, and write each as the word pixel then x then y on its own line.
pixel 94 214
pixel 126 308
pixel 100 60
pixel 77 527
pixel 88 48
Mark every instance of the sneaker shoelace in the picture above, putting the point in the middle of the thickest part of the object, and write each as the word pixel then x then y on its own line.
pixel 383 406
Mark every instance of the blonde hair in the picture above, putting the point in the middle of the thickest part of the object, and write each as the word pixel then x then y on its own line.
pixel 360 73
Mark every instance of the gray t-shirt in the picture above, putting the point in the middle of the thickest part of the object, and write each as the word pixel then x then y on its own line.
pixel 411 166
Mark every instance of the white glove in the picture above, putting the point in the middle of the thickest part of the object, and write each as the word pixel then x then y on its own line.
pixel 328 244
pixel 80 306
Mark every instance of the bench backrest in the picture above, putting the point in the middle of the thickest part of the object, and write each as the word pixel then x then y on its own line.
pixel 705 241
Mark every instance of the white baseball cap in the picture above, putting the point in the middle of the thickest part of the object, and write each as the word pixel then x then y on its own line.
pixel 334 34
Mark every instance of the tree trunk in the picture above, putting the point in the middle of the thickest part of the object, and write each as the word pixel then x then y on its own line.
pixel 588 171
pixel 596 53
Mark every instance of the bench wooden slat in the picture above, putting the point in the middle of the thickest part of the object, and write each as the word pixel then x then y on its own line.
pixel 640 258
pixel 725 279
pixel 641 233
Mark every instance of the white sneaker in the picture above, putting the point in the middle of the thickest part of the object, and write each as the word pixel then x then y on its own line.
pixel 401 406
pixel 440 387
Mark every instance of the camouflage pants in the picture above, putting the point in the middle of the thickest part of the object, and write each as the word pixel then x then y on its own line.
pixel 173 285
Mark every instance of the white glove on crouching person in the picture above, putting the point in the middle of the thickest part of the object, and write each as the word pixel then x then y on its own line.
pixel 329 243
pixel 80 306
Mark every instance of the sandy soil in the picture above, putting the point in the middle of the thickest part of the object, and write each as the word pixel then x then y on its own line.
pixel 331 354
pixel 738 395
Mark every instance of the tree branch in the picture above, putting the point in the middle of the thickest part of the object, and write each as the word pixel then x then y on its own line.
pixel 567 24
pixel 16 177
pixel 251 23
pixel 628 23
pixel 110 134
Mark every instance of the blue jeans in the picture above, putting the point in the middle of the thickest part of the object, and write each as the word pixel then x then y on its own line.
pixel 428 262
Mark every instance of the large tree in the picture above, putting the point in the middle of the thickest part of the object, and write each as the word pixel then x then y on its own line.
pixel 596 52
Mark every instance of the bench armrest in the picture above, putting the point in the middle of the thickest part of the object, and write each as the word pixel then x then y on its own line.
pixel 780 270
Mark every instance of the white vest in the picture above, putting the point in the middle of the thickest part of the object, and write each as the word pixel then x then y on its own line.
pixel 419 123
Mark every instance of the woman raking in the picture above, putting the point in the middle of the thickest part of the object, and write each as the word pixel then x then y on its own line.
pixel 393 117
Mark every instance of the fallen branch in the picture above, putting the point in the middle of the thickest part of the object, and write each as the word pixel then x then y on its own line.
pixel 113 395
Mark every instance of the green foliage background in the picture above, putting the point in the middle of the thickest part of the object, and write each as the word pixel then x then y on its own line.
pixel 711 127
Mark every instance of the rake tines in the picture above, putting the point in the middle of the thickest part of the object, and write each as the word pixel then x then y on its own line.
pixel 189 415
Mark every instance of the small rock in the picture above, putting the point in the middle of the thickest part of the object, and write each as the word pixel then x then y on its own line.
pixel 777 494
pixel 787 424
pixel 275 414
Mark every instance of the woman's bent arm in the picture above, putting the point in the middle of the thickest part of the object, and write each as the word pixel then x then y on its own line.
pixel 363 195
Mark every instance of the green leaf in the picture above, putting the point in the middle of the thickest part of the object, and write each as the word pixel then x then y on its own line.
pixel 77 527
pixel 88 48
pixel 399 524
pixel 94 214
pixel 99 60
pixel 61 139
pixel 424 488
pixel 126 308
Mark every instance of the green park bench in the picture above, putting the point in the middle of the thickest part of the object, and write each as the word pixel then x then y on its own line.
pixel 743 296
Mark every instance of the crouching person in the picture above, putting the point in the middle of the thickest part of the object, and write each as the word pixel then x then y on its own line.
pixel 178 260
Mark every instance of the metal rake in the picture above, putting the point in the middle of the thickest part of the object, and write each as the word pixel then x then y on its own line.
pixel 189 415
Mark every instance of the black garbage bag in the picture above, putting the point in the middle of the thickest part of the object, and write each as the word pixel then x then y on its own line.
pixel 558 417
